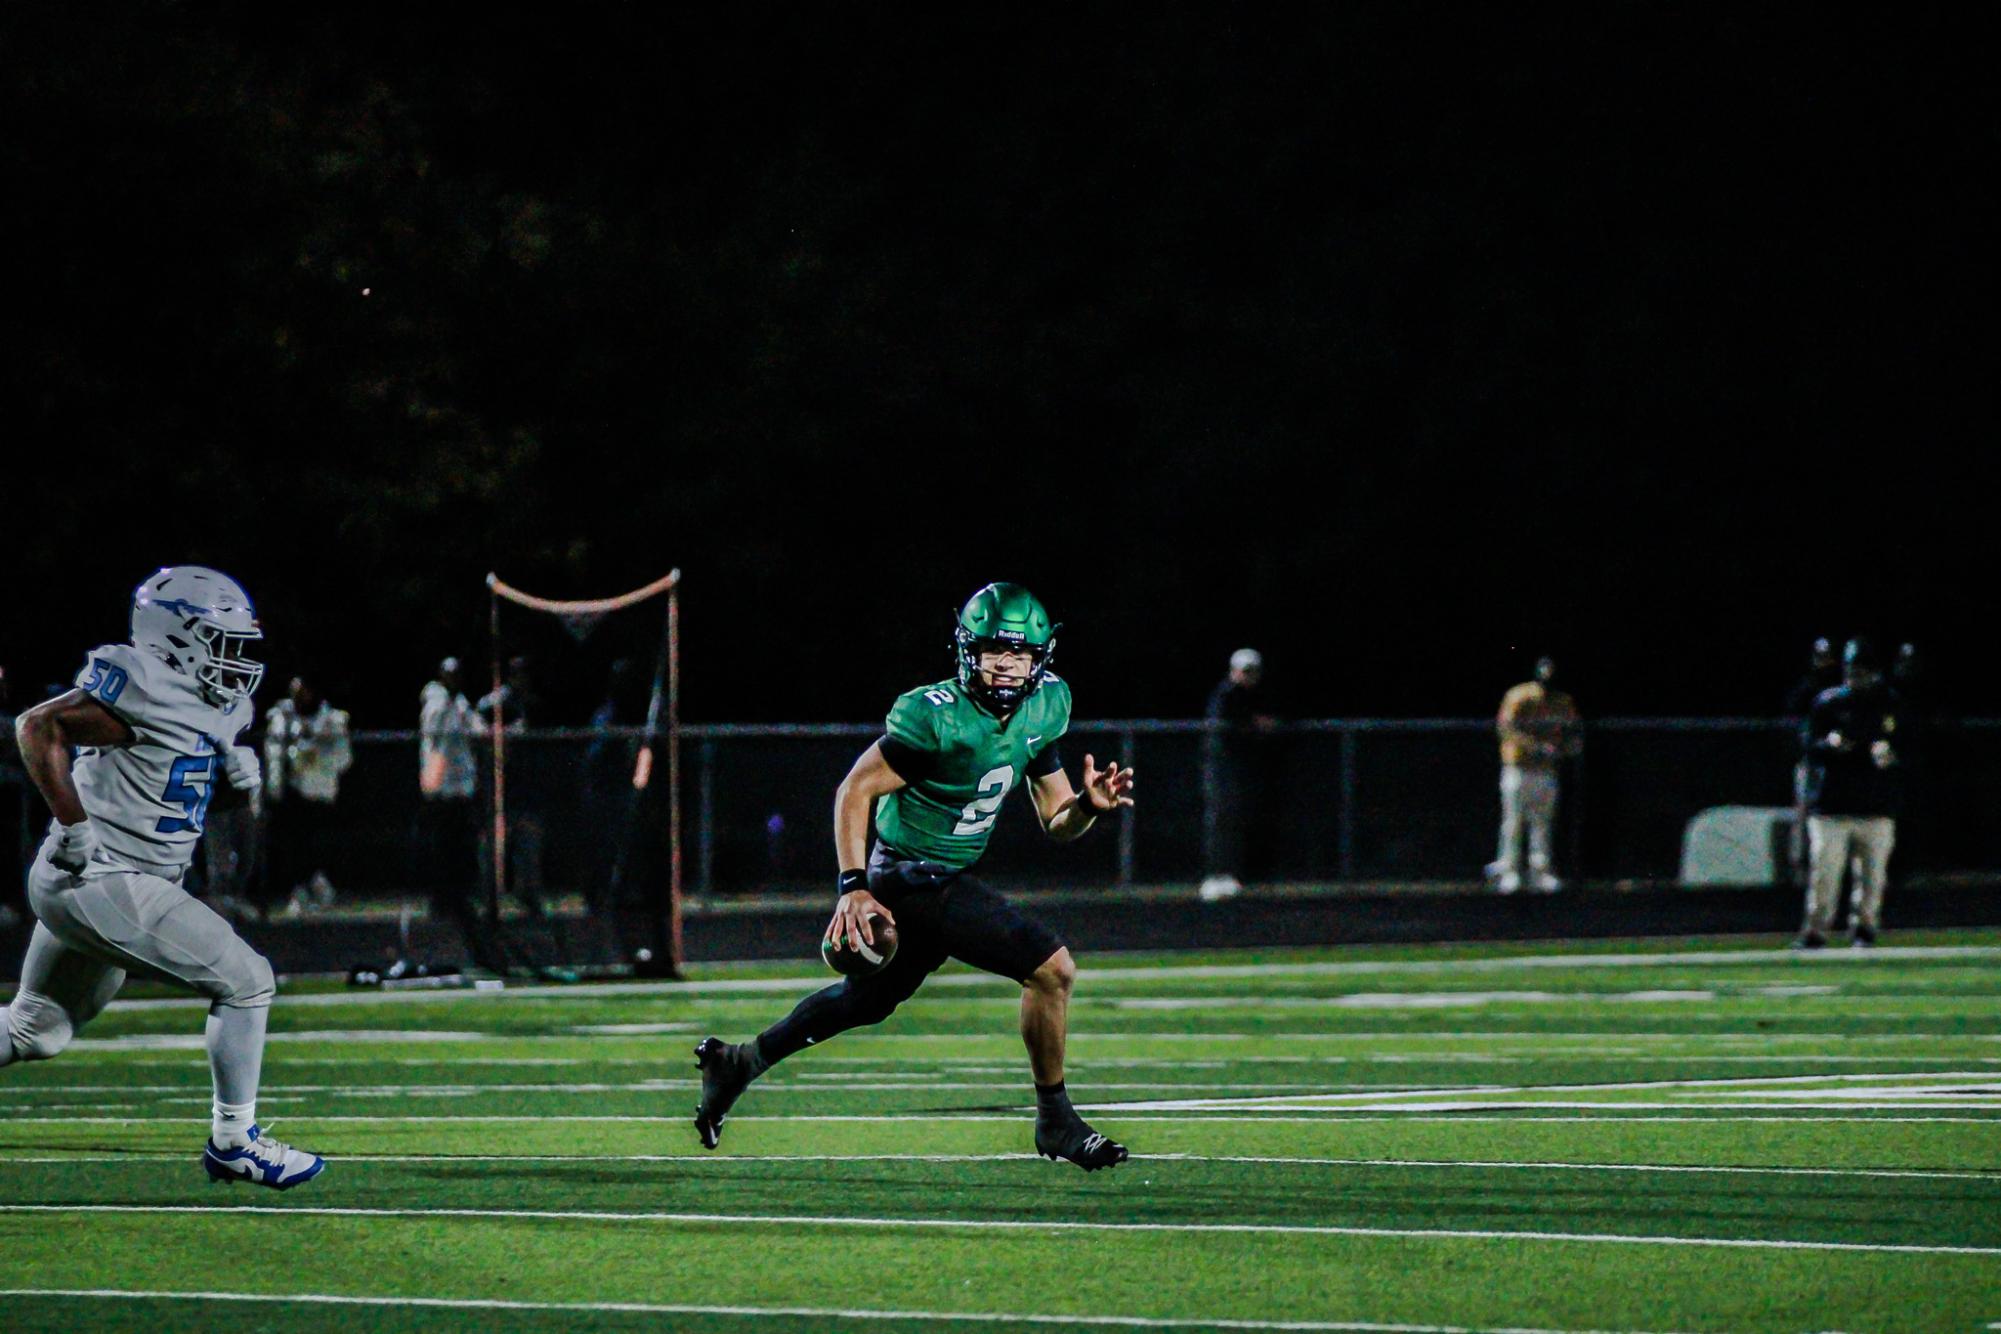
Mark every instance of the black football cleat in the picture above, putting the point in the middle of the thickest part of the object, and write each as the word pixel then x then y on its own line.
pixel 1078 1143
pixel 1862 938
pixel 1809 940
pixel 723 1081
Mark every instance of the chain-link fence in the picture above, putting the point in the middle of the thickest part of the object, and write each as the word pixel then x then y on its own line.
pixel 1317 801
pixel 590 857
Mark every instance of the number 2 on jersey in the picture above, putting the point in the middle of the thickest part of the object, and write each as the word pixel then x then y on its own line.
pixel 982 811
pixel 189 796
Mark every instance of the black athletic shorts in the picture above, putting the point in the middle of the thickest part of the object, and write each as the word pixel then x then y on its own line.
pixel 945 914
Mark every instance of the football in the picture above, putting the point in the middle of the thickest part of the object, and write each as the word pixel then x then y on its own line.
pixel 870 958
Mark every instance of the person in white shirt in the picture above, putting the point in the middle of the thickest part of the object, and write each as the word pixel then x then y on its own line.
pixel 448 814
pixel 306 750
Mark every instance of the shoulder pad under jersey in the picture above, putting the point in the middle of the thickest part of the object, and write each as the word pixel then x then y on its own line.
pixel 142 690
pixel 914 718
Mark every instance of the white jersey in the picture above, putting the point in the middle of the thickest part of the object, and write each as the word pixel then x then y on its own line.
pixel 148 799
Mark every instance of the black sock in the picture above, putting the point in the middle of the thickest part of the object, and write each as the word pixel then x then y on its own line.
pixel 1052 1102
pixel 755 1062
pixel 827 1012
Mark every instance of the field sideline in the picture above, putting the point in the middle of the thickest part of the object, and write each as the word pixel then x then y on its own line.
pixel 1624 1136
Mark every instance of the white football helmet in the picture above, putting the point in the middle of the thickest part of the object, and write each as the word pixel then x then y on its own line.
pixel 201 621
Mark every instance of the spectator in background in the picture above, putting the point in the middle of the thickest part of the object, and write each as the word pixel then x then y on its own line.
pixel 226 865
pixel 1539 729
pixel 1235 812
pixel 306 750
pixel 1823 673
pixel 448 817
pixel 514 701
pixel 610 799
pixel 1855 789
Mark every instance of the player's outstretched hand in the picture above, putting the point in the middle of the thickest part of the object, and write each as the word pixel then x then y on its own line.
pixel 1107 790
pixel 851 916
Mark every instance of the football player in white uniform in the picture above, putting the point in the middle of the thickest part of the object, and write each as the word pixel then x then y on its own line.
pixel 154 726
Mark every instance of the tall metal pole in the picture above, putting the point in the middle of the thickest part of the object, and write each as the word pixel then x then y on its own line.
pixel 499 729
pixel 673 941
pixel 1127 833
pixel 1347 825
pixel 705 818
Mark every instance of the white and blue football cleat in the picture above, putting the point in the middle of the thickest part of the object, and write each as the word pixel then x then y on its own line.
pixel 263 1162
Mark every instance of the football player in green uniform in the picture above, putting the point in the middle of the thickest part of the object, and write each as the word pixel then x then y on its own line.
pixel 950 754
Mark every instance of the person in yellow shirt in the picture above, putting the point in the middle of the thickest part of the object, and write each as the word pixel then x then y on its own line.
pixel 1539 728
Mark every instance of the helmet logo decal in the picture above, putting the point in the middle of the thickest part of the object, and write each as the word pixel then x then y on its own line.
pixel 183 607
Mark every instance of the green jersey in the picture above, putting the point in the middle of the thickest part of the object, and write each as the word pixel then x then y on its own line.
pixel 968 762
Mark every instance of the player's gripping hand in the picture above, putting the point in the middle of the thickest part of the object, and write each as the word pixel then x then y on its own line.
pixel 73 846
pixel 241 767
pixel 851 914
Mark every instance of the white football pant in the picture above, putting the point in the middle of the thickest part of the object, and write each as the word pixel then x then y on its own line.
pixel 111 920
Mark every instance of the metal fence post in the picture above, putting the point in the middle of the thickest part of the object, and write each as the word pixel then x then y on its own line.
pixel 1347 819
pixel 1574 816
pixel 1128 830
pixel 705 817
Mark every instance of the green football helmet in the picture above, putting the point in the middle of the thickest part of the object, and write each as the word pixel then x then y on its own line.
pixel 997 618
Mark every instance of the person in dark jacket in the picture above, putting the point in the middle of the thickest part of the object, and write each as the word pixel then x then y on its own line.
pixel 1823 673
pixel 1235 809
pixel 1855 789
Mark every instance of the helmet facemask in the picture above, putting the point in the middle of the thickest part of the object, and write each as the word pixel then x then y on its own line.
pixel 230 675
pixel 1008 697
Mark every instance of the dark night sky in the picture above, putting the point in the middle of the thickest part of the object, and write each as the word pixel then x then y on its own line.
pixel 1403 344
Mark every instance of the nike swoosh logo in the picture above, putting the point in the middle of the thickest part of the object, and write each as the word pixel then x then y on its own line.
pixel 1032 740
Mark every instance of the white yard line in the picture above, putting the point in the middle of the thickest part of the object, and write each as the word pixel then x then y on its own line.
pixel 1341 1110
pixel 396 1158
pixel 276 1092
pixel 1399 1000
pixel 725 1159
pixel 1849 1089
pixel 1774 958
pixel 1763 1083
pixel 1961 1174
pixel 193 1041
pixel 1348 1116
pixel 780 1312
pixel 1003 1225
pixel 871 1067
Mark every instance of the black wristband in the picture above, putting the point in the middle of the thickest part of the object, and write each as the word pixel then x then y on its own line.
pixel 1089 807
pixel 851 880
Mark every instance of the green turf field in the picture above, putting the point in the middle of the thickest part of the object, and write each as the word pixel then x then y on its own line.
pixel 1689 1135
